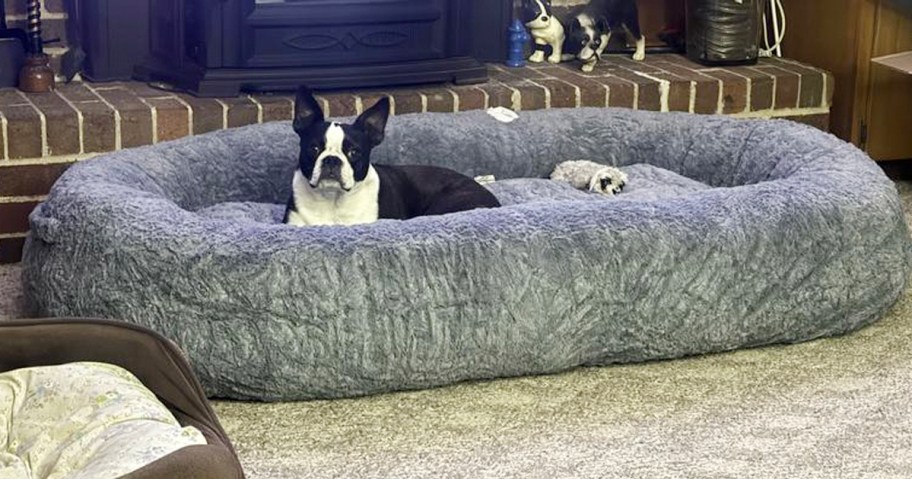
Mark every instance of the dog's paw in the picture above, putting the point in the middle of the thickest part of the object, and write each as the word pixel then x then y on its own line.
pixel 554 59
pixel 537 57
pixel 639 56
pixel 588 67
pixel 608 181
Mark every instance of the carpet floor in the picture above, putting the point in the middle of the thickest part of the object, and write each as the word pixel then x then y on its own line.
pixel 833 408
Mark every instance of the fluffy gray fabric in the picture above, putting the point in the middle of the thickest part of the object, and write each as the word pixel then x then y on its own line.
pixel 794 235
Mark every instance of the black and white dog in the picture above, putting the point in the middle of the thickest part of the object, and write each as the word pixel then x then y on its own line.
pixel 336 184
pixel 589 29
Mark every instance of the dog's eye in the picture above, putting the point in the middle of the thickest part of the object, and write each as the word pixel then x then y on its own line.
pixel 315 149
pixel 544 19
pixel 353 152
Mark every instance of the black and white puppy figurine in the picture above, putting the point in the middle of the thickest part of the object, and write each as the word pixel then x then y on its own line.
pixel 590 27
pixel 336 184
pixel 545 29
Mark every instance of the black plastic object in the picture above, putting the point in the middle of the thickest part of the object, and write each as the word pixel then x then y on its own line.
pixel 724 32
pixel 114 36
pixel 219 48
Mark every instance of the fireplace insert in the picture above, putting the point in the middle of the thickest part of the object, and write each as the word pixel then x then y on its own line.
pixel 220 47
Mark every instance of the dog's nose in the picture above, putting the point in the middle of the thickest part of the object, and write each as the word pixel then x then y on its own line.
pixel 332 162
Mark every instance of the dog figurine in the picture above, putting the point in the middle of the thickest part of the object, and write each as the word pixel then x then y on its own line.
pixel 590 176
pixel 545 29
pixel 336 183
pixel 590 26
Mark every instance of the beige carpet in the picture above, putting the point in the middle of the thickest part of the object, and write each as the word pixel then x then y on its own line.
pixel 835 408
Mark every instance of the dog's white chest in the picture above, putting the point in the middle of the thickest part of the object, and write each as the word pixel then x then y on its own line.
pixel 321 207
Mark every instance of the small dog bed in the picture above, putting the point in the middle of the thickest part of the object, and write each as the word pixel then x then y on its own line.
pixel 104 399
pixel 752 233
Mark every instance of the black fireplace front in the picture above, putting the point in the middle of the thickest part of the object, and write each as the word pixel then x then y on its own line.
pixel 219 47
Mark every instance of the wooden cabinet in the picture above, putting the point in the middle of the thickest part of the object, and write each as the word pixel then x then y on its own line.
pixel 872 104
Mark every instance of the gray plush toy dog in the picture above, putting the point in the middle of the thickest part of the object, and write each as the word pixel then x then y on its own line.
pixel 591 176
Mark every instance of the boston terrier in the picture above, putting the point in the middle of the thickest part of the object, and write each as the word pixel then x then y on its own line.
pixel 545 29
pixel 336 183
pixel 590 26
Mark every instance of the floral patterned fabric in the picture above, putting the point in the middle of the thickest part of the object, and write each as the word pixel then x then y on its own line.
pixel 81 421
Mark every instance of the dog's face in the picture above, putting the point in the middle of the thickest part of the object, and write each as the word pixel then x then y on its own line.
pixel 536 13
pixel 335 156
pixel 584 37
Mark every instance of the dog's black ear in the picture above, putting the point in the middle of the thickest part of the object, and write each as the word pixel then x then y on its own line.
pixel 373 121
pixel 602 26
pixel 307 111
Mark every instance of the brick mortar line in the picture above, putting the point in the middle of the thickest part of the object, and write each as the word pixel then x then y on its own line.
pixel 154 114
pixel 4 126
pixel 664 90
pixel 259 107
pixel 424 102
pixel 487 97
pixel 22 199
pixel 80 120
pixel 49 160
pixel 748 91
pixel 455 100
pixel 118 140
pixel 783 112
pixel 823 73
pixel 693 97
pixel 359 105
pixel 189 114
pixel 224 113
pixel 392 101
pixel 45 151
pixel 327 112
pixel 515 97
pixel 775 90
pixel 13 235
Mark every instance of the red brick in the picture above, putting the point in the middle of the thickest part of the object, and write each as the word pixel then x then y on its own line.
pixel 135 116
pixel 470 98
pixel 76 92
pixel 241 111
pixel 340 104
pixel 275 108
pixel 649 97
pixel 439 100
pixel 29 180
pixel 208 114
pixel 62 123
pixel 11 250
pixel 23 132
pixel 498 94
pixel 98 123
pixel 14 217
pixel 678 91
pixel 706 88
pixel 172 118
pixel 812 83
pixel 620 91
pixel 734 90
pixel 406 102
pixel 145 91
pixel 761 87
pixel 788 86
pixel 532 95
pixel 563 94
pixel 592 92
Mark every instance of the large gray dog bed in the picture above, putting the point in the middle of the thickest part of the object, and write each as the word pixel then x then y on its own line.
pixel 740 234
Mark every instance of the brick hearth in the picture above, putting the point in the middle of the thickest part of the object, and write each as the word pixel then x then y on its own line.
pixel 42 134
